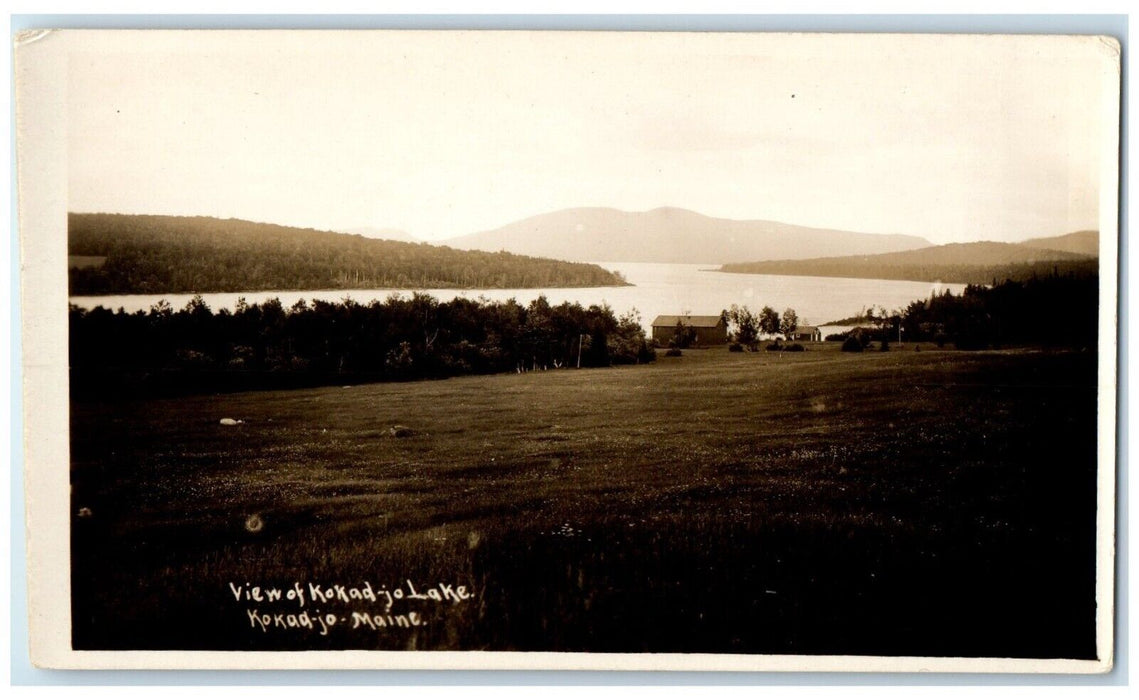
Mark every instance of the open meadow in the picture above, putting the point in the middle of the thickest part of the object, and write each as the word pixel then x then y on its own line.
pixel 890 503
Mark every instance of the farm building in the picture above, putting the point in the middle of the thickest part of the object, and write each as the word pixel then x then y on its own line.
pixel 807 333
pixel 709 330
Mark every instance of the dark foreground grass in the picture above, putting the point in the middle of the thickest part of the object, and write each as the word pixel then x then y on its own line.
pixel 901 503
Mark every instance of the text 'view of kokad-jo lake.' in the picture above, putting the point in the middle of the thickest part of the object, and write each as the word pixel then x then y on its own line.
pixel 657 288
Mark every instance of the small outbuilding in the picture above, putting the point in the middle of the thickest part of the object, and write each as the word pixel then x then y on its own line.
pixel 708 330
pixel 807 333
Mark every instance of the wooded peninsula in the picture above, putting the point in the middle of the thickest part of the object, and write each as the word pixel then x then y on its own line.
pixel 978 262
pixel 143 254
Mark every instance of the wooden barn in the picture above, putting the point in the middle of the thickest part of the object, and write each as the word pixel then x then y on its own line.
pixel 709 330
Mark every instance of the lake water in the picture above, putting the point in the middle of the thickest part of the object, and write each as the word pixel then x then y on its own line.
pixel 659 288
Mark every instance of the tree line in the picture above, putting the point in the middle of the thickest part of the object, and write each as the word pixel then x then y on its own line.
pixel 176 254
pixel 871 267
pixel 1052 310
pixel 165 351
pixel 1056 310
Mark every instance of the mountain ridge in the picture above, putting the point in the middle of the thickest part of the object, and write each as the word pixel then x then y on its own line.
pixel 672 235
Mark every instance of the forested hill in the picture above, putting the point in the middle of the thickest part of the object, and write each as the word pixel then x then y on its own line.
pixel 1082 242
pixel 137 254
pixel 981 262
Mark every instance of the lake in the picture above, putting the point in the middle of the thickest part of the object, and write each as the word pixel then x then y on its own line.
pixel 658 288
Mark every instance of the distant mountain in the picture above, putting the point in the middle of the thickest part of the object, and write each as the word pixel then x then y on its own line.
pixel 136 254
pixel 974 263
pixel 1081 242
pixel 671 235
pixel 386 234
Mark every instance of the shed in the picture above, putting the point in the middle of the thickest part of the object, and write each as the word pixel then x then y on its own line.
pixel 807 333
pixel 709 330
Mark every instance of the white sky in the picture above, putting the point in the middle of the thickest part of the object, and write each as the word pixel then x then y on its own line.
pixel 951 138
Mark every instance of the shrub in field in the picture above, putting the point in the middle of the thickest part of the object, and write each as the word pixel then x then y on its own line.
pixel 794 347
pixel 627 344
pixel 774 347
pixel 884 345
pixel 735 347
pixel 673 352
pixel 852 344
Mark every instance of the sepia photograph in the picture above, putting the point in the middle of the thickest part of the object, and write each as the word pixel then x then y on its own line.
pixel 554 349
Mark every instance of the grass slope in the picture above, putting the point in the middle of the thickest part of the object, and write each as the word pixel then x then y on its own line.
pixel 917 503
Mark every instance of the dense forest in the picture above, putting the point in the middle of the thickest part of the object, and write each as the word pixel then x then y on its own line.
pixel 129 254
pixel 192 350
pixel 1052 311
pixel 981 262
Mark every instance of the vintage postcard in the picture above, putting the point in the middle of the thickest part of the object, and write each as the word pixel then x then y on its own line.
pixel 569 350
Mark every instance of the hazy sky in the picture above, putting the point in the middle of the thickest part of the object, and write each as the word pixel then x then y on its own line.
pixel 953 139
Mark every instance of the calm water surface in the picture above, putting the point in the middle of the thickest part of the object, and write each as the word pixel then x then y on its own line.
pixel 659 288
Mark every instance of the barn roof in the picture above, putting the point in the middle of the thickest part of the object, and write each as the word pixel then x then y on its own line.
pixel 806 329
pixel 690 321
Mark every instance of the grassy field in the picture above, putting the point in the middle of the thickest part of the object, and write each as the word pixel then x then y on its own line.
pixel 916 503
